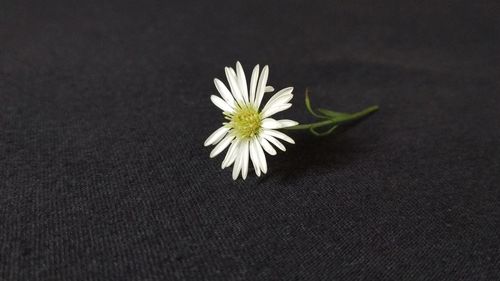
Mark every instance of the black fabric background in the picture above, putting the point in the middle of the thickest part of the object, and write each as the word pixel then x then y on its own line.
pixel 104 107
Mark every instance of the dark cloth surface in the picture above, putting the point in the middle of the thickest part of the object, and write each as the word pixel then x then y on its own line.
pixel 104 108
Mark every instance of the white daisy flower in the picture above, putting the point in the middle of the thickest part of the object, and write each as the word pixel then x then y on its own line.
pixel 249 130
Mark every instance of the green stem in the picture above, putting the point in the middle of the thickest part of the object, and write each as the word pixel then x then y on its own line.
pixel 336 120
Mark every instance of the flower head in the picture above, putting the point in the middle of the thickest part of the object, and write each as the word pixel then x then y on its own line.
pixel 249 131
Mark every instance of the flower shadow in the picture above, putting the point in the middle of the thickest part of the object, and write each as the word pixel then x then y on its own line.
pixel 331 152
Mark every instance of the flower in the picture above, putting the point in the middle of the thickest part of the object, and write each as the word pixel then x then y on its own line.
pixel 249 130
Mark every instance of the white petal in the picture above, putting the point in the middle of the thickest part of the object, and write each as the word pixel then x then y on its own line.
pixel 270 123
pixel 261 86
pixel 269 89
pixel 224 92
pixel 221 146
pixel 275 109
pixel 277 102
pixel 220 103
pixel 253 83
pixel 216 136
pixel 278 134
pixel 280 93
pixel 237 163
pixel 274 141
pixel 244 164
pixel 254 156
pixel 235 90
pixel 281 97
pixel 267 146
pixel 288 123
pixel 261 156
pixel 242 81
pixel 240 157
pixel 230 155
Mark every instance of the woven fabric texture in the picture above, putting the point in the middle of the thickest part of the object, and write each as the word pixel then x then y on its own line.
pixel 104 108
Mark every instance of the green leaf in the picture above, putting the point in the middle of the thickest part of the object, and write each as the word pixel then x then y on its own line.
pixel 325 133
pixel 309 108
pixel 332 114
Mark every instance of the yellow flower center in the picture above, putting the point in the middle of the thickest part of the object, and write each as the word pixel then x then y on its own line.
pixel 246 122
